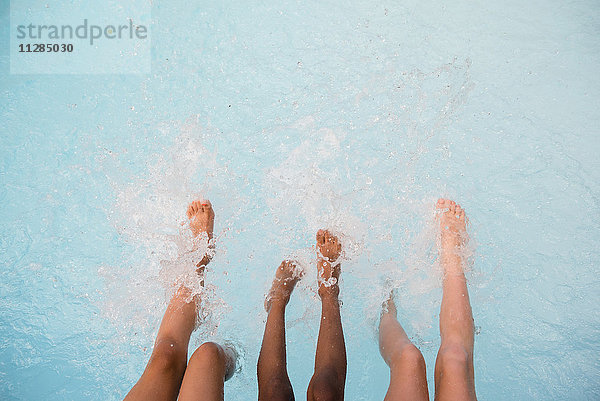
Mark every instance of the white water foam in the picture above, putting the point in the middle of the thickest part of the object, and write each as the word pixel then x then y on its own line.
pixel 149 214
pixel 360 187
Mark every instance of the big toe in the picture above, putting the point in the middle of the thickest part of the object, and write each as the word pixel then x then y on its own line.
pixel 334 240
pixel 206 206
pixel 321 237
pixel 443 203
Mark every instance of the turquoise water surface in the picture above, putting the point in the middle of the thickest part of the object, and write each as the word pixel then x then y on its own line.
pixel 291 116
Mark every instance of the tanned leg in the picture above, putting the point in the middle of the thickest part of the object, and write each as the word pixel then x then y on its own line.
pixel 454 373
pixel 408 379
pixel 164 372
pixel 273 381
pixel 208 369
pixel 329 378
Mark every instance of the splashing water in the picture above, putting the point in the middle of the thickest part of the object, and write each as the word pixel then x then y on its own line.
pixel 330 177
pixel 149 214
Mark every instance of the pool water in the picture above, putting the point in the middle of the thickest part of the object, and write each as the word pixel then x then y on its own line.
pixel 293 117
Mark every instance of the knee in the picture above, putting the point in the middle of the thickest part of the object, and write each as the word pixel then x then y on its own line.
pixel 275 389
pixel 409 355
pixel 453 358
pixel 210 354
pixel 168 356
pixel 327 387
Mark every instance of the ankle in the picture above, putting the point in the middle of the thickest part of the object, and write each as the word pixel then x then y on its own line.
pixel 329 292
pixel 453 270
pixel 276 303
pixel 451 262
pixel 205 260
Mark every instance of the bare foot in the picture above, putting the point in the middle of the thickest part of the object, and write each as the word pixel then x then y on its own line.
pixel 328 252
pixel 202 220
pixel 286 277
pixel 389 307
pixel 453 233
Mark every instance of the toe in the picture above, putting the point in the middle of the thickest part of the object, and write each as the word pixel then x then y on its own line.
pixel 320 237
pixel 330 238
pixel 444 203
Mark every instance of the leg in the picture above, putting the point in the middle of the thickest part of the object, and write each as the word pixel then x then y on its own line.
pixel 408 379
pixel 273 381
pixel 454 372
pixel 206 373
pixel 165 369
pixel 329 378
